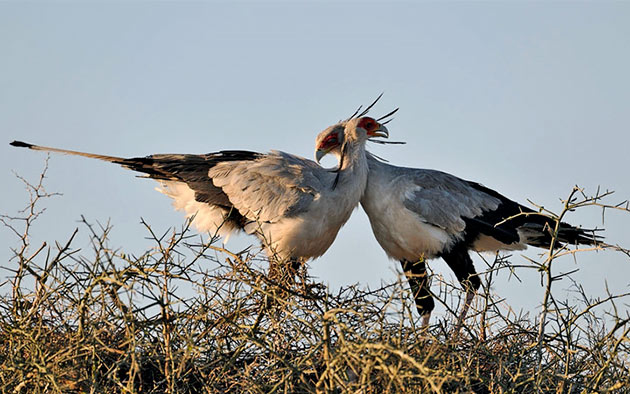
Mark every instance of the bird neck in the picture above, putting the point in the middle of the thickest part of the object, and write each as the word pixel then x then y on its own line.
pixel 353 155
pixel 354 167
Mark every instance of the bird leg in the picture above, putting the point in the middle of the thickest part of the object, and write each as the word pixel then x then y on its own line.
pixel 284 271
pixel 425 321
pixel 417 276
pixel 281 277
pixel 470 294
pixel 299 271
pixel 462 265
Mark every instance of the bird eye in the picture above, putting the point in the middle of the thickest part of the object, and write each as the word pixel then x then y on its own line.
pixel 367 123
pixel 331 139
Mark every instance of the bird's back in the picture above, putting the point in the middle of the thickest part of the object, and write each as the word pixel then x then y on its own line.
pixel 422 212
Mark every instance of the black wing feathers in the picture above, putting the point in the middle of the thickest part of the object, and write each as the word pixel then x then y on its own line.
pixel 193 170
pixel 538 227
pixel 176 167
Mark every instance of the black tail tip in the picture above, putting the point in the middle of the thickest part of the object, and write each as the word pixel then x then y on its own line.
pixel 21 144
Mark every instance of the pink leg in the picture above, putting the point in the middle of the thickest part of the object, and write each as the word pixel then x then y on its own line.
pixel 470 294
pixel 425 321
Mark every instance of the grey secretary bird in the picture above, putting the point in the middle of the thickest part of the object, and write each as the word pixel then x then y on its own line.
pixel 419 214
pixel 292 204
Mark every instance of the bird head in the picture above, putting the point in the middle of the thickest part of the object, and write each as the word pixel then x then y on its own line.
pixel 361 129
pixel 329 141
pixel 357 130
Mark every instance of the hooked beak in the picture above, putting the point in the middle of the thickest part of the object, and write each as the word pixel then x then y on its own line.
pixel 320 153
pixel 380 132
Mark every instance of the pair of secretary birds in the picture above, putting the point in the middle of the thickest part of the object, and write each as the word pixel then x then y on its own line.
pixel 297 207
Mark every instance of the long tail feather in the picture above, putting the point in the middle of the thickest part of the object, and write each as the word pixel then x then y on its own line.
pixel 184 178
pixel 112 159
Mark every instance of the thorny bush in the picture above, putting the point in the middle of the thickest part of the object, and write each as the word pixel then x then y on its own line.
pixel 103 321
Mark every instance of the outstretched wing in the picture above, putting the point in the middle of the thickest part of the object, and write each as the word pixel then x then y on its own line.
pixel 259 186
pixel 227 187
pixel 189 169
pixel 273 186
pixel 184 178
pixel 192 170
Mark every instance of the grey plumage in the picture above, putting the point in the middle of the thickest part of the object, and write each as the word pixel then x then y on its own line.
pixel 285 200
pixel 419 214
pixel 281 185
pixel 441 199
pixel 464 211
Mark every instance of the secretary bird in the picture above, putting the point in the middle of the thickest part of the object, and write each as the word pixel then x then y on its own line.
pixel 292 204
pixel 419 214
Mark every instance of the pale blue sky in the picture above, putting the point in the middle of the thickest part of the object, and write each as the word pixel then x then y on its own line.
pixel 528 98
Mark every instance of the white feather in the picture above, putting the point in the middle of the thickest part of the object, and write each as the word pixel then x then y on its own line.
pixel 208 218
pixel 401 233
